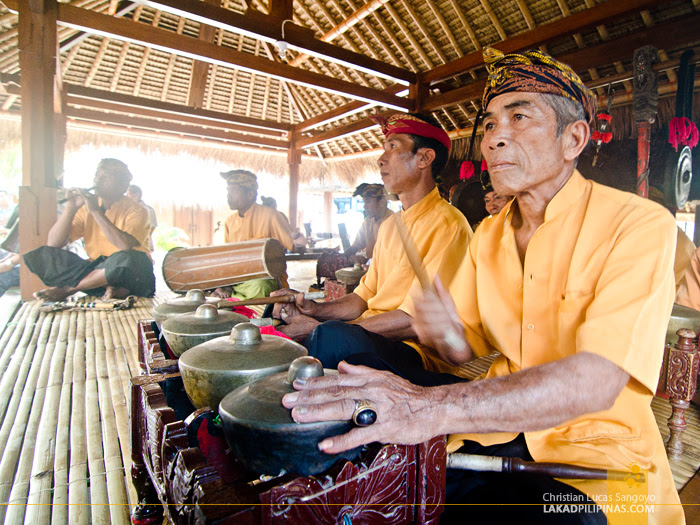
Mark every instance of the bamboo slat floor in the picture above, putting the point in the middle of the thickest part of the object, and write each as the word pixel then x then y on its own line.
pixel 64 398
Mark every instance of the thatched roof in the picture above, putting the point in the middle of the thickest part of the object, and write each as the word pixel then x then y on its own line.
pixel 439 40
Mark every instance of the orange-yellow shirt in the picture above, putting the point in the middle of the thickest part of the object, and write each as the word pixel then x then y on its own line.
pixel 441 234
pixel 597 277
pixel 684 253
pixel 369 230
pixel 258 222
pixel 125 214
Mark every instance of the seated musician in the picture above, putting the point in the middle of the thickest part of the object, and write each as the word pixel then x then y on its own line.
pixel 376 212
pixel 572 283
pixel 114 229
pixel 248 222
pixel 380 308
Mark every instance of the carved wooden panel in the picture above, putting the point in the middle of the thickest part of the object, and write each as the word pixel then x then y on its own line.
pixel 394 484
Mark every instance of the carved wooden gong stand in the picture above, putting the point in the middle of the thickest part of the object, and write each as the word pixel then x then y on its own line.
pixel 389 485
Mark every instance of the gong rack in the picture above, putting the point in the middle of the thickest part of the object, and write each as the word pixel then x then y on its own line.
pixel 181 471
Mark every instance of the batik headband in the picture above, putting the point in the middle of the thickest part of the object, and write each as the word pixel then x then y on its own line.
pixel 534 72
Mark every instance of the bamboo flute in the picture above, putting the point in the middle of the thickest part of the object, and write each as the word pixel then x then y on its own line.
pixel 33 394
pixel 78 497
pixel 555 470
pixel 111 453
pixel 287 298
pixel 59 511
pixel 96 467
pixel 42 472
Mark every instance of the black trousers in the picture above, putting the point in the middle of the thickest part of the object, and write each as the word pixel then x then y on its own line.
pixel 471 497
pixel 128 269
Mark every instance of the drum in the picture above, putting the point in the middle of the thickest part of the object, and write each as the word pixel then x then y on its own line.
pixel 209 267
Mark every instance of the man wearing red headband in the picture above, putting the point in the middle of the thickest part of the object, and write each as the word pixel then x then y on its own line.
pixel 571 285
pixel 376 318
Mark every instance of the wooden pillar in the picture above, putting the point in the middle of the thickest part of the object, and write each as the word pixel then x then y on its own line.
pixel 294 160
pixel 37 196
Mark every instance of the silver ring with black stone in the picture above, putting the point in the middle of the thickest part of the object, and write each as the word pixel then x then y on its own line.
pixel 365 414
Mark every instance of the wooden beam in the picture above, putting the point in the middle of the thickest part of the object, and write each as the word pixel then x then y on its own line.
pixel 154 37
pixel 173 127
pixel 200 70
pixel 671 34
pixel 341 111
pixel 156 114
pixel 336 133
pixel 680 32
pixel 600 14
pixel 294 160
pixel 37 197
pixel 130 104
pixel 267 28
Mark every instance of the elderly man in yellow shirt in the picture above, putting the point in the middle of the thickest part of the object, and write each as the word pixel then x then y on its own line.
pixel 573 284
pixel 250 221
pixel 114 229
pixel 379 310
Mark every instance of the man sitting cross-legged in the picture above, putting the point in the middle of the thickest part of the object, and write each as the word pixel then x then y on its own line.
pixel 114 229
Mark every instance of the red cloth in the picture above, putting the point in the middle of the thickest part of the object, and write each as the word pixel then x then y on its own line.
pixel 466 170
pixel 243 310
pixel 682 131
pixel 408 124
pixel 270 330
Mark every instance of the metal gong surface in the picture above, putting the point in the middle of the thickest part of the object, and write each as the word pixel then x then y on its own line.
pixel 214 368
pixel 181 305
pixel 350 275
pixel 263 435
pixel 185 331
pixel 682 317
pixel 682 176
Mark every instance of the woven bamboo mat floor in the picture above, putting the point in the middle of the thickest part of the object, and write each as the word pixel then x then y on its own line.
pixel 64 415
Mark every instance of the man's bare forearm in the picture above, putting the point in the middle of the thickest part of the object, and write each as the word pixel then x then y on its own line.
pixel 119 238
pixel 395 325
pixel 59 234
pixel 534 399
pixel 346 308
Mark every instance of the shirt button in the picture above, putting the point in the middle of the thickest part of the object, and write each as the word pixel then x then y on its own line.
pixel 531 326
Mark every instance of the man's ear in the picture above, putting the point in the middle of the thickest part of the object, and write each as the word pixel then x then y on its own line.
pixel 425 157
pixel 575 138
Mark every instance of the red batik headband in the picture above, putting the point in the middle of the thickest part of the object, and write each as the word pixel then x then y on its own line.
pixel 410 125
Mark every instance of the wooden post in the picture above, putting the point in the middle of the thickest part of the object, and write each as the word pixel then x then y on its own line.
pixel 294 160
pixel 37 196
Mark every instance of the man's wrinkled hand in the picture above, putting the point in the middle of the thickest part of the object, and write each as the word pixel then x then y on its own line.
pixel 404 410
pixel 447 335
pixel 298 327
pixel 300 306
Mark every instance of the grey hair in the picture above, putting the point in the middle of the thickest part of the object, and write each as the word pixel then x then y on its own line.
pixel 566 110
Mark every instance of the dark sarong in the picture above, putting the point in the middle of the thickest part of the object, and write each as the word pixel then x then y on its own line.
pixel 128 269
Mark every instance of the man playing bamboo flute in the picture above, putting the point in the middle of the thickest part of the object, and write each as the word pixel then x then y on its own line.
pixel 114 229
pixel 376 212
pixel 250 221
pixel 572 282
pixel 379 310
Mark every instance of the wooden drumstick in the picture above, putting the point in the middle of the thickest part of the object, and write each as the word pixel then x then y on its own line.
pixel 287 298
pixel 451 337
pixel 556 470
pixel 413 255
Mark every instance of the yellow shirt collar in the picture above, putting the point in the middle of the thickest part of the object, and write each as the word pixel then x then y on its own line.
pixel 420 207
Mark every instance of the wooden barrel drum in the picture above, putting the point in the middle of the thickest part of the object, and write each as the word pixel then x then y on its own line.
pixel 208 267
